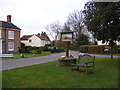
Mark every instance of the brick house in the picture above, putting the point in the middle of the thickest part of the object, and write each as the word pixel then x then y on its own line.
pixel 9 36
pixel 35 40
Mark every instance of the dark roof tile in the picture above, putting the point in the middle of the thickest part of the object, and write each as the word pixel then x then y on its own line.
pixel 10 25
pixel 26 37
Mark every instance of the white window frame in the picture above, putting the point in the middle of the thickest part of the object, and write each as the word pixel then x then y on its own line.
pixel 10 34
pixel 11 48
pixel 0 46
pixel 0 33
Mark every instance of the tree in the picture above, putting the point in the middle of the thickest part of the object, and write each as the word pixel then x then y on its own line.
pixel 82 40
pixel 103 20
pixel 55 28
pixel 66 28
pixel 75 21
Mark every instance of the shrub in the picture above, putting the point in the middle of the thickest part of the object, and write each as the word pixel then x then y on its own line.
pixel 24 50
pixel 45 48
pixel 84 48
pixel 56 50
pixel 95 49
pixel 39 51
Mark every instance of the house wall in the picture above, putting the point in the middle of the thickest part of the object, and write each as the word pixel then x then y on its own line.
pixel 16 41
pixel 35 42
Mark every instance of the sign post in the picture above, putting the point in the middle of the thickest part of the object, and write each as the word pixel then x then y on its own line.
pixel 67 37
pixel 67 50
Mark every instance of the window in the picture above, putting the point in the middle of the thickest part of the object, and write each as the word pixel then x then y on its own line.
pixel 10 46
pixel 0 34
pixel 30 40
pixel 10 34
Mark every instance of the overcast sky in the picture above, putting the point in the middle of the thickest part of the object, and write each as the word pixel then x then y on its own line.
pixel 33 15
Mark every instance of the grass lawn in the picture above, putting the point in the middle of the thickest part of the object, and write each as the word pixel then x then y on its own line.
pixel 26 55
pixel 50 75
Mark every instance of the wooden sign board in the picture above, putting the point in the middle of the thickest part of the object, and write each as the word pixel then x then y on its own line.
pixel 66 36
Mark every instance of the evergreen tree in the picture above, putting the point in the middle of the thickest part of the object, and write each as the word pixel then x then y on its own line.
pixel 103 20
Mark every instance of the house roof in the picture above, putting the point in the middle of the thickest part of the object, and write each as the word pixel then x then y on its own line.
pixel 26 37
pixel 43 38
pixel 9 25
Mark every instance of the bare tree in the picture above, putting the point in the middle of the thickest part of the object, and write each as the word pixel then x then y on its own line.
pixel 55 28
pixel 75 22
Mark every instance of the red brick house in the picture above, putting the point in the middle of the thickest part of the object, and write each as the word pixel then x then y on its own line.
pixel 9 36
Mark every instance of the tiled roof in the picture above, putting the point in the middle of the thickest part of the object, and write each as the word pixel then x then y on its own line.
pixel 43 38
pixel 9 25
pixel 26 37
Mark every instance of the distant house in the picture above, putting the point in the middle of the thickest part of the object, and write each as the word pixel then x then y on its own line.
pixel 35 40
pixel 9 36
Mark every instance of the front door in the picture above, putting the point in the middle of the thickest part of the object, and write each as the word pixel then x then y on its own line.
pixel 0 46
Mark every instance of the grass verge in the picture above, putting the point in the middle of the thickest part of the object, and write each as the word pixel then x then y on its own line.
pixel 50 75
pixel 26 55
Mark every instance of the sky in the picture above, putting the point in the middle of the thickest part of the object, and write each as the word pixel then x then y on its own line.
pixel 33 15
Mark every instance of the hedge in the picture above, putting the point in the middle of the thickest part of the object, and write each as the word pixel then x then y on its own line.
pixel 95 49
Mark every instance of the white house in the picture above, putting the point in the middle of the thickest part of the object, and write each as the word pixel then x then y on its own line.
pixel 35 40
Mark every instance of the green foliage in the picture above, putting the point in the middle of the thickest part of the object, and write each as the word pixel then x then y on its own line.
pixel 56 50
pixel 102 19
pixel 82 40
pixel 98 49
pixel 95 49
pixel 22 45
pixel 84 48
pixel 60 45
pixel 25 49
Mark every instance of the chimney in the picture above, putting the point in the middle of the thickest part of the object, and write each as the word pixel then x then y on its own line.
pixel 8 18
pixel 38 34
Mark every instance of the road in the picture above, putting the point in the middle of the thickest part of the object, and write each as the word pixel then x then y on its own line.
pixel 16 63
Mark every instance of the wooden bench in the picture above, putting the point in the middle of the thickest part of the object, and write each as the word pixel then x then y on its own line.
pixel 86 61
pixel 6 55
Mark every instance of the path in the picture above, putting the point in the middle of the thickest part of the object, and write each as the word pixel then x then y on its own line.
pixel 15 63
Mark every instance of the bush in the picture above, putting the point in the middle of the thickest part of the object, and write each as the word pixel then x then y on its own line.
pixel 24 50
pixel 45 48
pixel 39 51
pixel 95 49
pixel 84 48
pixel 56 50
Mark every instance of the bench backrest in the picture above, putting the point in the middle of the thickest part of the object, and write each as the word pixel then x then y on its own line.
pixel 86 58
pixel 6 55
